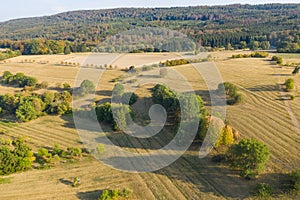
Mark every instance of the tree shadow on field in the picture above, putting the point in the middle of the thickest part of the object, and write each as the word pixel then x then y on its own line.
pixel 279 75
pixel 69 121
pixel 66 182
pixel 107 93
pixel 264 88
pixel 206 176
pixel 92 195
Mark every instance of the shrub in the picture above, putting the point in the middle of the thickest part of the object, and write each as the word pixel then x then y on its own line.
pixel 74 152
pixel 263 190
pixel 278 59
pixel 66 86
pixel 114 194
pixel 289 84
pixel 249 156
pixel 294 181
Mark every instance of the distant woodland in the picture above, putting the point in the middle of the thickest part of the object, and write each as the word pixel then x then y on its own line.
pixel 275 26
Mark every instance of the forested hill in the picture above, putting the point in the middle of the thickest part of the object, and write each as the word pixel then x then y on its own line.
pixel 214 26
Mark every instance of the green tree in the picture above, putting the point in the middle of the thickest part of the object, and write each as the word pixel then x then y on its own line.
pixel 87 87
pixel 67 50
pixel 121 115
pixel 118 89
pixel 254 45
pixel 18 159
pixel 249 156
pixel 29 110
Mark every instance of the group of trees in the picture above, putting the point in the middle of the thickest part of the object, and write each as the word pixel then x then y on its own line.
pixel 49 158
pixel 15 156
pixel 288 41
pixel 9 54
pixel 29 107
pixel 19 79
pixel 248 156
pixel 252 55
pixel 119 113
pixel 232 93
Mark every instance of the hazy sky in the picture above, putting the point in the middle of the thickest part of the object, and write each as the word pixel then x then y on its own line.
pixel 28 8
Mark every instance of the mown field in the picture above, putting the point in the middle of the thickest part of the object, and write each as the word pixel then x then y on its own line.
pixel 264 116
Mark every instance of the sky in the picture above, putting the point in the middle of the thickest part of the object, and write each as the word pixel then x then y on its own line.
pixel 32 8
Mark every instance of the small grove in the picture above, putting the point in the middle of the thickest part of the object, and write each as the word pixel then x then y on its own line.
pixel 26 107
pixel 17 156
pixel 29 106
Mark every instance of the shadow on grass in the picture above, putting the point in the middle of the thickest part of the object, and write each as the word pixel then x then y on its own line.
pixel 66 182
pixel 91 195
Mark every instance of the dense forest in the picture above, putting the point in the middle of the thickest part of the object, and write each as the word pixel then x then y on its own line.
pixel 232 26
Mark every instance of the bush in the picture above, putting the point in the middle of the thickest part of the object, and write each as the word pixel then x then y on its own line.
pixel 294 181
pixel 74 152
pixel 114 194
pixel 66 86
pixel 289 84
pixel 263 190
pixel 278 59
pixel 249 156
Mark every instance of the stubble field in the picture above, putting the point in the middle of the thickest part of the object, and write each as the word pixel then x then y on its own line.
pixel 264 116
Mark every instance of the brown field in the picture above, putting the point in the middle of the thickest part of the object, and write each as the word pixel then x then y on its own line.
pixel 264 116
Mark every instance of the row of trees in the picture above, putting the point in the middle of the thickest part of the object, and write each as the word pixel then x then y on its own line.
pixel 42 46
pixel 252 55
